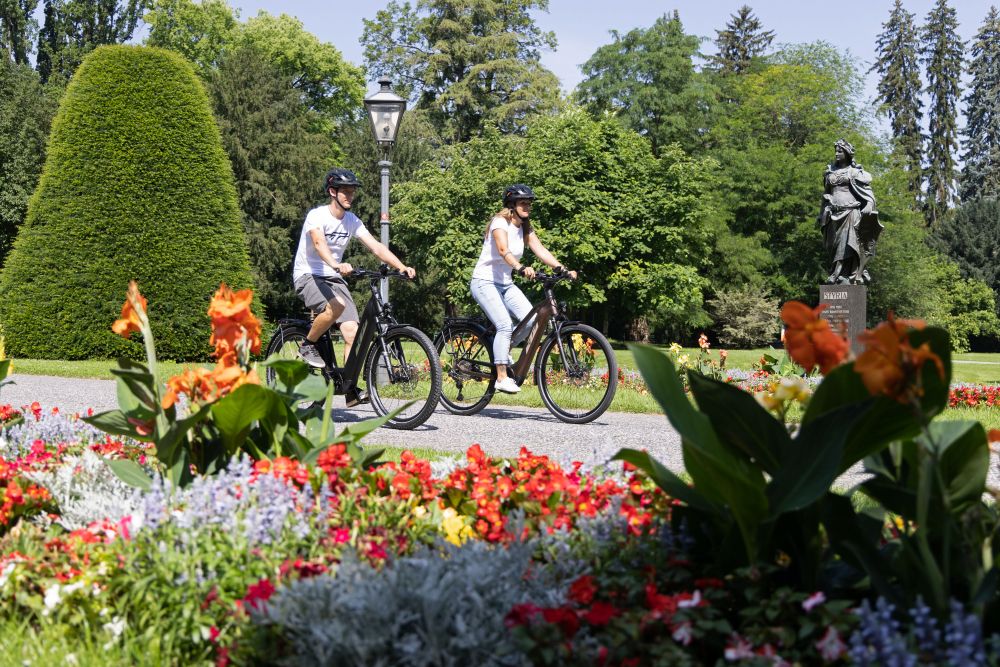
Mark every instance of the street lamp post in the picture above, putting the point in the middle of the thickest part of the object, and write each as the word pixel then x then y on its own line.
pixel 385 110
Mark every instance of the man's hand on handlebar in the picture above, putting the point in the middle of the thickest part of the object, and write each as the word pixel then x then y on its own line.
pixel 345 269
pixel 410 272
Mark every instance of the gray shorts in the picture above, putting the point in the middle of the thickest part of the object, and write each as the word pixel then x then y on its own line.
pixel 317 291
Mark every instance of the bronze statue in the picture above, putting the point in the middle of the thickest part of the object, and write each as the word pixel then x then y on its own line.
pixel 848 218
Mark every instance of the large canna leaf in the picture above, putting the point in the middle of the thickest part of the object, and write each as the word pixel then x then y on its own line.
pixel 741 422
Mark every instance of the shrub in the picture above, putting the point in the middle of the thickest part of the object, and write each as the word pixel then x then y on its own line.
pixel 747 317
pixel 136 186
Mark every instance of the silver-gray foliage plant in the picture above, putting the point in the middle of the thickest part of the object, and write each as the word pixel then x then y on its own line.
pixel 439 607
pixel 86 490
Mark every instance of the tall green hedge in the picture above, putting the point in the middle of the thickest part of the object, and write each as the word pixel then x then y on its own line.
pixel 136 185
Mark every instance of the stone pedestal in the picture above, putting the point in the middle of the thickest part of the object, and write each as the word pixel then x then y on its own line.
pixel 847 309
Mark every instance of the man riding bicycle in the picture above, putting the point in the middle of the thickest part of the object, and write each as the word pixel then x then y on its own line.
pixel 319 271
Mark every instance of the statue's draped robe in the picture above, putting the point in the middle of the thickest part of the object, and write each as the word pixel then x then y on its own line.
pixel 849 235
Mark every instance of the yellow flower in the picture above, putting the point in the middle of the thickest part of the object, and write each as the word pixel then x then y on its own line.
pixel 675 349
pixel 455 530
pixel 419 511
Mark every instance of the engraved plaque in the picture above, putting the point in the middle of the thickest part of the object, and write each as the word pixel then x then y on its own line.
pixel 846 311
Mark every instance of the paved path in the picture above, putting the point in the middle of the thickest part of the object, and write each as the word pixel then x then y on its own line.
pixel 500 430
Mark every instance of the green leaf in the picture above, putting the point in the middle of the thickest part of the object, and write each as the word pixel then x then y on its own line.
pixel 130 472
pixel 236 412
pixel 289 372
pixel 854 537
pixel 740 421
pixel 664 478
pixel 935 386
pixel 115 422
pixel 812 462
pixel 964 459
pixel 718 473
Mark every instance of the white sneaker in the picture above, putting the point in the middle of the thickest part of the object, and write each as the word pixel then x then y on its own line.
pixel 507 386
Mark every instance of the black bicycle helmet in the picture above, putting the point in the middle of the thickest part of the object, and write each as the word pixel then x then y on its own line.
pixel 514 192
pixel 339 177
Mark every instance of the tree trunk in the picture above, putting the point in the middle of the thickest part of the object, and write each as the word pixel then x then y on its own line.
pixel 638 330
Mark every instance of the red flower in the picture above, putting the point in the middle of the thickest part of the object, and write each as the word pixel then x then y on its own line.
pixel 521 614
pixel 564 617
pixel 601 613
pixel 258 593
pixel 582 590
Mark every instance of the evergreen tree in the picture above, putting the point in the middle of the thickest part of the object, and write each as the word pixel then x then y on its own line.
pixel 899 88
pixel 971 237
pixel 981 173
pixel 278 156
pixel 647 78
pixel 470 63
pixel 942 52
pixel 74 28
pixel 16 26
pixel 743 40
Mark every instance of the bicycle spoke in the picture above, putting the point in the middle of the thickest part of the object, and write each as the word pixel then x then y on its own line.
pixel 467 376
pixel 404 372
pixel 578 374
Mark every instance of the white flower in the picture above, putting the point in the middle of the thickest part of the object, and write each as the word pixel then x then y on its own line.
pixel 52 598
pixel 813 601
pixel 682 633
pixel 116 626
pixel 693 602
pixel 5 572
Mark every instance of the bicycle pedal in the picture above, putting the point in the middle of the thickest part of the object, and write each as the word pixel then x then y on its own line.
pixel 356 398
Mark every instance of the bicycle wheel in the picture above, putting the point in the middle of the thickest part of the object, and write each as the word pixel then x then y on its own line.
pixel 467 372
pixel 408 373
pixel 576 373
pixel 284 344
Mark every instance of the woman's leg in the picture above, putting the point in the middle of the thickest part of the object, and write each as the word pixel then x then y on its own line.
pixel 519 306
pixel 488 296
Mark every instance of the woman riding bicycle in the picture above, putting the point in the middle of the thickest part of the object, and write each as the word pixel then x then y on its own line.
pixel 492 286
pixel 318 272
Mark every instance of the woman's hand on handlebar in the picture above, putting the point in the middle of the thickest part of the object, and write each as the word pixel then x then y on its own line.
pixel 527 272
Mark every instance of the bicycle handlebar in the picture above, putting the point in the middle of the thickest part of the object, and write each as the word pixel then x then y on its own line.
pixel 541 276
pixel 382 272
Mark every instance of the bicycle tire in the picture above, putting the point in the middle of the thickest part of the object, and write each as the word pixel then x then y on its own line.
pixel 388 390
pixel 462 349
pixel 562 384
pixel 279 344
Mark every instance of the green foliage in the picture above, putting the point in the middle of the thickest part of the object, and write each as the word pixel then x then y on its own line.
pixel 755 485
pixel 899 88
pixel 741 44
pixel 646 78
pixel 981 172
pixel 26 111
pixel 199 31
pixel 971 237
pixel 972 310
pixel 942 52
pixel 472 64
pixel 745 317
pixel 278 155
pixel 203 32
pixel 16 28
pixel 135 186
pixel 631 221
pixel 74 28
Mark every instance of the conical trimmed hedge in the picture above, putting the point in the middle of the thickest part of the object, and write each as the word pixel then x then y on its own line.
pixel 136 185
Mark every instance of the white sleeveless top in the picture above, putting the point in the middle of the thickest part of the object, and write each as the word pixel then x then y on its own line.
pixel 491 265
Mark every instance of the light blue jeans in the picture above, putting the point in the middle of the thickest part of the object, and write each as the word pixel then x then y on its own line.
pixel 499 302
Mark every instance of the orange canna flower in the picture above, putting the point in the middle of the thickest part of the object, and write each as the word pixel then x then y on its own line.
pixel 890 365
pixel 809 340
pixel 194 382
pixel 994 435
pixel 703 342
pixel 132 311
pixel 232 319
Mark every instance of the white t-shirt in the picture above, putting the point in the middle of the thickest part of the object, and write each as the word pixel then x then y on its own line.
pixel 337 232
pixel 491 265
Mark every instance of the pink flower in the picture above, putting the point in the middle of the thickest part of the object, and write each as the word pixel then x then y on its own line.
pixel 813 601
pixel 682 633
pixel 830 646
pixel 341 535
pixel 738 648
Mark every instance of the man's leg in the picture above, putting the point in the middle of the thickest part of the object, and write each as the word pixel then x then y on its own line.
pixel 348 330
pixel 322 323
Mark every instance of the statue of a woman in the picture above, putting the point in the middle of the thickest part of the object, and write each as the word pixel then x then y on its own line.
pixel 848 218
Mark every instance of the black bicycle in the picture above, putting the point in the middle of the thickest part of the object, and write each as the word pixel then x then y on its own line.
pixel 576 371
pixel 398 361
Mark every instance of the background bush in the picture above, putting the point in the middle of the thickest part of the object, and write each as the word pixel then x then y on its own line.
pixel 135 186
pixel 746 317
